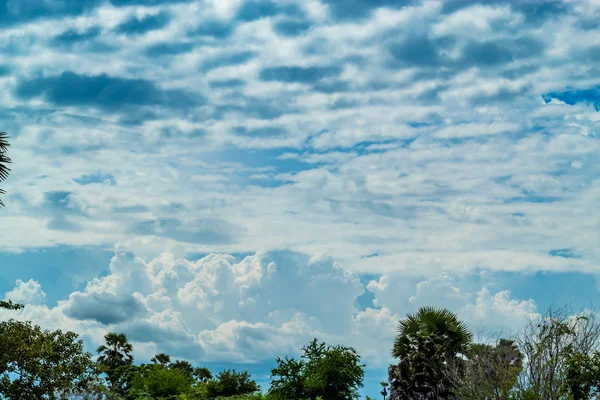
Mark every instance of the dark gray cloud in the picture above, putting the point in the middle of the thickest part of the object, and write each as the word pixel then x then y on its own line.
pixel 503 95
pixel 14 12
pixel 168 49
pixel 499 52
pixel 104 91
pixel 72 36
pixel 291 27
pixel 416 51
pixel 98 177
pixel 564 253
pixel 214 29
pixel 132 209
pixel 356 9
pixel 142 331
pixel 138 26
pixel 486 54
pixel 265 131
pixel 295 74
pixel 228 83
pixel 58 200
pixel 103 307
pixel 254 107
pixel 208 231
pixel 120 3
pixel 61 223
pixel 256 9
pixel 227 59
pixel 335 86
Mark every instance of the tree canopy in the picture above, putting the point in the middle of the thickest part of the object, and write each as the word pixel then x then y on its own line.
pixel 428 342
pixel 328 372
pixel 41 364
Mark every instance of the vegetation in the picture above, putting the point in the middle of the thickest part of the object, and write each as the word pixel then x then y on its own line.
pixel 329 372
pixel 555 357
pixel 41 364
pixel 428 344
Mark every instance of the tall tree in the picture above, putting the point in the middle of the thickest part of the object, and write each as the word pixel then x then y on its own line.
pixel 384 386
pixel 290 380
pixel 161 358
pixel 490 372
pixel 115 356
pixel 427 343
pixel 184 366
pixel 558 349
pixel 41 364
pixel 231 383
pixel 202 374
pixel 328 372
pixel 4 161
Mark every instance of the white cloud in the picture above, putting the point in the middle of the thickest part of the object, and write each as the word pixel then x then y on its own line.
pixel 223 309
pixel 498 313
pixel 29 292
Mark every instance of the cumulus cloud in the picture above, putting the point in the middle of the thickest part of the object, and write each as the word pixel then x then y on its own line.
pixel 222 308
pixel 29 292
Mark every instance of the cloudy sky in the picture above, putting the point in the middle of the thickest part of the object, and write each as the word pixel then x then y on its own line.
pixel 223 180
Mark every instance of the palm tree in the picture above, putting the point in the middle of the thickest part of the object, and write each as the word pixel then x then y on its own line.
pixel 4 161
pixel 162 359
pixel 427 343
pixel 116 352
pixel 384 386
pixel 202 374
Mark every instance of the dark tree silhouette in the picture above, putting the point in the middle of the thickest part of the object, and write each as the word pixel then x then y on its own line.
pixel 4 161
pixel 161 358
pixel 427 343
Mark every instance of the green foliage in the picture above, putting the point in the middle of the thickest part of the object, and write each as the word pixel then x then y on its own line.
pixel 582 375
pixel 9 305
pixel 427 343
pixel 41 364
pixel 290 382
pixel 333 372
pixel 185 367
pixel 4 161
pixel 490 372
pixel 162 359
pixel 330 372
pixel 231 383
pixel 157 381
pixel 560 358
pixel 115 356
pixel 249 396
pixel 202 374
pixel 116 352
pixel 384 389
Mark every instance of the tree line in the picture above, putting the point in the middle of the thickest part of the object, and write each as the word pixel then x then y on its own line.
pixel 555 357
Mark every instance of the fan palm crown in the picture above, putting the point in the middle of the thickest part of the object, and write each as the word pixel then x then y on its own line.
pixel 116 351
pixel 4 161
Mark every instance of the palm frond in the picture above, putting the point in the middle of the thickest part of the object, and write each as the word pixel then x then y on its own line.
pixel 4 161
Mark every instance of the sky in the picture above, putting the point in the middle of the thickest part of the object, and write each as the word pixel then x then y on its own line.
pixel 223 180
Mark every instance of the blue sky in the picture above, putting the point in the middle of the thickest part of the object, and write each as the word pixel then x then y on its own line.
pixel 223 180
